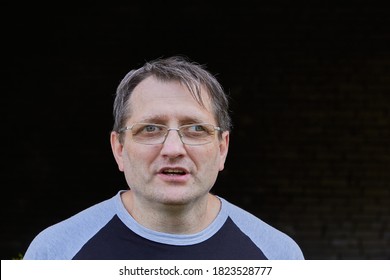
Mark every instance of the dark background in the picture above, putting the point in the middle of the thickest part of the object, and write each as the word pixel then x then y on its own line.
pixel 310 95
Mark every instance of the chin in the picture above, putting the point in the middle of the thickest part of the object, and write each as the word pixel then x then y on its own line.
pixel 177 199
pixel 173 201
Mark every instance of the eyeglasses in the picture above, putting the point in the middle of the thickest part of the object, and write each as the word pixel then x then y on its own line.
pixel 190 134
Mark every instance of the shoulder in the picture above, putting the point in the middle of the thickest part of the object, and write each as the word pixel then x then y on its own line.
pixel 274 243
pixel 62 240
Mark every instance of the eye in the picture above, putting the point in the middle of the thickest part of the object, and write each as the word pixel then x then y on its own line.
pixel 151 128
pixel 147 129
pixel 197 128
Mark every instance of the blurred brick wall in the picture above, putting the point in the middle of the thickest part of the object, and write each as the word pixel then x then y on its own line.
pixel 311 153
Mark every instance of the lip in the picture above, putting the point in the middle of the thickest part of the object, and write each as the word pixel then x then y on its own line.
pixel 174 177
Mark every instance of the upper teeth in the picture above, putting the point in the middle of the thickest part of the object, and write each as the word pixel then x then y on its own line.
pixel 173 171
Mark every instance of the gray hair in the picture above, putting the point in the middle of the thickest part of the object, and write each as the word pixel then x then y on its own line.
pixel 176 68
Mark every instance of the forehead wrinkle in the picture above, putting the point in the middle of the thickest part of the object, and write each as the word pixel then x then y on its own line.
pixel 162 119
pixel 154 118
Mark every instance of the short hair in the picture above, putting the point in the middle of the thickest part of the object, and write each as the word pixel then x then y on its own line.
pixel 175 68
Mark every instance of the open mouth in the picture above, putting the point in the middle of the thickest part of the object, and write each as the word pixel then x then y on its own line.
pixel 175 175
pixel 173 172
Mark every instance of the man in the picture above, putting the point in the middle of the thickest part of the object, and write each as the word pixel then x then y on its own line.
pixel 170 139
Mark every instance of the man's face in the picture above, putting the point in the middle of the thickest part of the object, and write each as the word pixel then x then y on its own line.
pixel 169 173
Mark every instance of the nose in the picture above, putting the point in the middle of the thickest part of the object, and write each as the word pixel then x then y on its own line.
pixel 173 145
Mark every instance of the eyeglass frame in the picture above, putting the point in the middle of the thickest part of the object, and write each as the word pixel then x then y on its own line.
pixel 126 128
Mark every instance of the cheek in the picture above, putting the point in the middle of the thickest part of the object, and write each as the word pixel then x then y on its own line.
pixel 136 156
pixel 135 166
pixel 206 158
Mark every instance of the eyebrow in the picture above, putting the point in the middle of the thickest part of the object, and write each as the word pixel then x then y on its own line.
pixel 161 119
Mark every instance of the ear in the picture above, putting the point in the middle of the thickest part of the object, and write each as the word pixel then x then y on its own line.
pixel 223 149
pixel 117 149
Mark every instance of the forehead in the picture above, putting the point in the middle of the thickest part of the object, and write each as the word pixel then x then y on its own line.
pixel 154 98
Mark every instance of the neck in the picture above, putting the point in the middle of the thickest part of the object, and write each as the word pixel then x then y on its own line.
pixel 178 219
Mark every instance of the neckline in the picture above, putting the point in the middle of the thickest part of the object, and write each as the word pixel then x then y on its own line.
pixel 169 238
